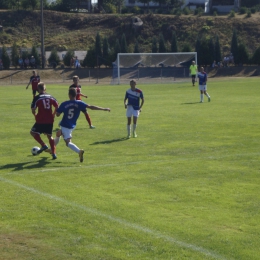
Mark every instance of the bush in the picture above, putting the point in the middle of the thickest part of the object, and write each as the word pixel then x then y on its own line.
pixel 5 59
pixel 67 57
pixel 186 11
pixel 243 10
pixel 198 11
pixel 232 13
pixel 54 59
pixel 248 14
pixel 253 10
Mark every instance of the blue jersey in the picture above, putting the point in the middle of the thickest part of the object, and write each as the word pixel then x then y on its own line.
pixel 202 78
pixel 133 97
pixel 71 110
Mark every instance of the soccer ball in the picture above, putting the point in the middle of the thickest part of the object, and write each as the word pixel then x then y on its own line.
pixel 34 150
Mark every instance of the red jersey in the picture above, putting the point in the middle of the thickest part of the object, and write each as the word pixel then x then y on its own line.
pixel 78 91
pixel 34 80
pixel 44 103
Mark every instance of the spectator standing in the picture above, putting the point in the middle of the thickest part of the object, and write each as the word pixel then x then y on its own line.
pixel 77 63
pixel 33 62
pixel 26 63
pixel 20 62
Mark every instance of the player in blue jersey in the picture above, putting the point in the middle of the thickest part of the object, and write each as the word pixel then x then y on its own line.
pixel 203 77
pixel 133 106
pixel 71 110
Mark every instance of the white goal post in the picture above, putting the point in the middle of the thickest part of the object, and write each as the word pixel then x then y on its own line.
pixel 152 67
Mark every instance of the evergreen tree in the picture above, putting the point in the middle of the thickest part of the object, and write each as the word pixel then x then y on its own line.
pixel 67 58
pixel 15 55
pixel 105 56
pixel 218 56
pixel 234 46
pixel 117 49
pixel 162 48
pixel 198 50
pixel 90 59
pixel 243 56
pixel 136 50
pixel 54 58
pixel 35 54
pixel 186 48
pixel 256 56
pixel 5 59
pixel 98 48
pixel 123 44
pixel 154 45
pixel 211 50
pixel 174 47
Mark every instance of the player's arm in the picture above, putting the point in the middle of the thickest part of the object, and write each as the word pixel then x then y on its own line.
pixel 142 103
pixel 34 111
pixel 125 102
pixel 83 95
pixel 98 108
pixel 28 84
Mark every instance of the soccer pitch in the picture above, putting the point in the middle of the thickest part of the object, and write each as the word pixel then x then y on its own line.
pixel 186 188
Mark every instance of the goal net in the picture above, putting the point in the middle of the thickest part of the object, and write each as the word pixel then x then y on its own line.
pixel 152 67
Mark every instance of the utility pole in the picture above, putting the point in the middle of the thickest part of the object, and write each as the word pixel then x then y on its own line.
pixel 42 37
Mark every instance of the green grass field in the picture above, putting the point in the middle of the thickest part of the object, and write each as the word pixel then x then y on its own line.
pixel 186 188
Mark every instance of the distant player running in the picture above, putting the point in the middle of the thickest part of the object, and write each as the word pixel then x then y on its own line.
pixel 34 80
pixel 78 97
pixel 203 78
pixel 71 110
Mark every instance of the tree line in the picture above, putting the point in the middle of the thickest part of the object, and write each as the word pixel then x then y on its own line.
pixel 101 53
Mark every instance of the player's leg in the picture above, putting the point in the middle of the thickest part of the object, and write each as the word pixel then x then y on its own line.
pixel 34 92
pixel 52 145
pixel 57 138
pixel 207 94
pixel 201 96
pixel 193 80
pixel 129 113
pixel 89 120
pixel 134 126
pixel 36 132
pixel 67 135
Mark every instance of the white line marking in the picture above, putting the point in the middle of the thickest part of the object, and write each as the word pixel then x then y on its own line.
pixel 118 220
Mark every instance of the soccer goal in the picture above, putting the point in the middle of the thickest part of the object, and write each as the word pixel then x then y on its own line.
pixel 152 67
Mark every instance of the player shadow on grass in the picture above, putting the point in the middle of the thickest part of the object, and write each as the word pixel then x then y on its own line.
pixel 191 103
pixel 27 165
pixel 111 141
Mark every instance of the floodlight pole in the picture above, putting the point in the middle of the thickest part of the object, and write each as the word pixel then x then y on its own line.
pixel 42 37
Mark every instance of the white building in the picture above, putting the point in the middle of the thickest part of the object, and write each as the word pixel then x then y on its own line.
pixel 222 6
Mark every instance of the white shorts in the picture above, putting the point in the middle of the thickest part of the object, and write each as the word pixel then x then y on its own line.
pixel 203 87
pixel 131 112
pixel 66 132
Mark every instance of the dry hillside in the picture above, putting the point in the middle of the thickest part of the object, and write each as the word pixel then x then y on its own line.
pixel 78 31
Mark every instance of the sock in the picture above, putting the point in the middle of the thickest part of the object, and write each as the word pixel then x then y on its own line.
pixel 207 94
pixel 201 97
pixel 134 127
pixel 128 127
pixel 38 139
pixel 52 145
pixel 56 140
pixel 73 147
pixel 88 119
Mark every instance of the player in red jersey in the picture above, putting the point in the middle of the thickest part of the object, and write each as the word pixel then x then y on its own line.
pixel 34 80
pixel 43 104
pixel 78 97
